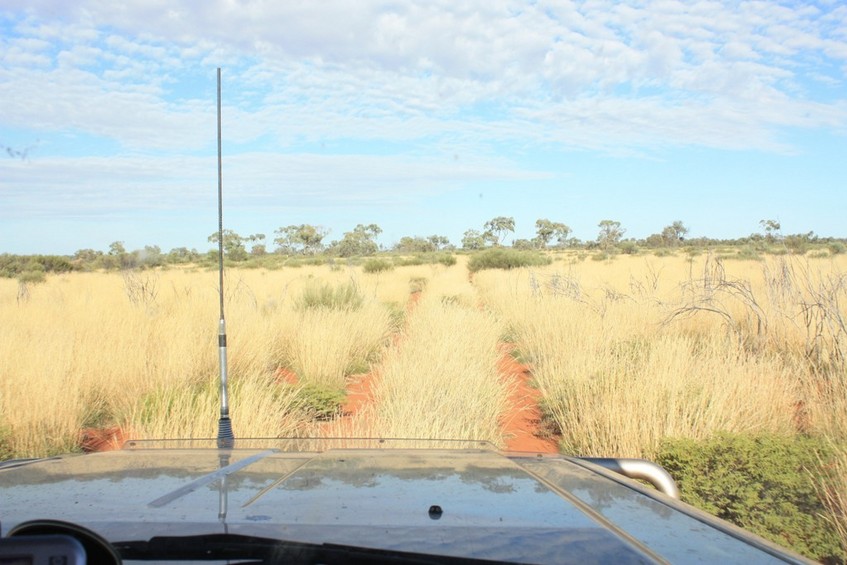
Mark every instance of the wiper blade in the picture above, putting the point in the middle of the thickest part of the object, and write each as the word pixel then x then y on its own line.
pixel 269 550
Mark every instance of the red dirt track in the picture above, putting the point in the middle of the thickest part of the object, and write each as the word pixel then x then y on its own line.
pixel 522 424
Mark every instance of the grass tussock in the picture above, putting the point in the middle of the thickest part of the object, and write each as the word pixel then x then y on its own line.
pixel 441 381
pixel 324 346
pixel 344 296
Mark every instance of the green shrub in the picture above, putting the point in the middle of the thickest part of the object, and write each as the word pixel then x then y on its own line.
pixel 322 402
pixel 764 483
pixel 13 266
pixel 377 266
pixel 409 261
pixel 500 258
pixel 628 247
pixel 317 260
pixel 836 248
pixel 746 253
pixel 31 277
pixel 344 296
pixel 446 259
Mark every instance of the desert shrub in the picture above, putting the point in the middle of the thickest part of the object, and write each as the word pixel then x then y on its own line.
pixel 345 296
pixel 321 401
pixel 317 260
pixel 446 259
pixel 837 248
pixel 746 253
pixel 506 259
pixel 762 483
pixel 377 266
pixel 628 248
pixel 417 284
pixel 32 277
pixel 12 266
pixel 413 261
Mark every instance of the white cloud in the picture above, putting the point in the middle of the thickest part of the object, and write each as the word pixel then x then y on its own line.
pixel 427 70
pixel 114 185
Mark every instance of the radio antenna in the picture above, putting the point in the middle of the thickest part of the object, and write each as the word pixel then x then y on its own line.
pixel 225 437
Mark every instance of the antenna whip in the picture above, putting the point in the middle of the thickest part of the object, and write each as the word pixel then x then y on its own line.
pixel 226 439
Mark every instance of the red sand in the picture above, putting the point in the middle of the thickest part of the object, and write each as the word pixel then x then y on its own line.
pixel 522 424
pixel 106 439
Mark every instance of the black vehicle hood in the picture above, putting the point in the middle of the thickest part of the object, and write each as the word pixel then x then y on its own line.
pixel 463 502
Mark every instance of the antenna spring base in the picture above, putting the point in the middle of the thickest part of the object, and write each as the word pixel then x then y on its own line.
pixel 226 439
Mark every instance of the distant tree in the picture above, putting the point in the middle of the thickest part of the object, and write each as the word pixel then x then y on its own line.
pixel 673 234
pixel 414 245
pixel 116 248
pixel 546 230
pixel 257 246
pixel 771 228
pixel 182 255
pixel 497 228
pixel 359 242
pixel 87 256
pixel 305 238
pixel 473 239
pixel 118 258
pixel 655 240
pixel 523 244
pixel 439 242
pixel 799 242
pixel 151 256
pixel 610 233
pixel 233 245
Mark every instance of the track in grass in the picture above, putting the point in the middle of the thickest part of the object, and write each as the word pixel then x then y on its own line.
pixel 523 424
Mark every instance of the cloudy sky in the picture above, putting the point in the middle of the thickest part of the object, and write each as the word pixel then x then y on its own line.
pixel 424 117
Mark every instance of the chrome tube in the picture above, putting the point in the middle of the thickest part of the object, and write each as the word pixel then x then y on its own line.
pixel 639 469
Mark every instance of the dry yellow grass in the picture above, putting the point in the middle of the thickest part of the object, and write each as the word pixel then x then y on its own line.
pixel 140 351
pixel 324 346
pixel 618 374
pixel 440 379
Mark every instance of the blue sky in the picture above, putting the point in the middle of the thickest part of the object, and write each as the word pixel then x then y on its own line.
pixel 424 117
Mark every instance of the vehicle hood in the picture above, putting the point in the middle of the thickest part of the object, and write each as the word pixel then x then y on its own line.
pixel 463 502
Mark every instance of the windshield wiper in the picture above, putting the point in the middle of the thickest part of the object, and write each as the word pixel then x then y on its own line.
pixel 268 550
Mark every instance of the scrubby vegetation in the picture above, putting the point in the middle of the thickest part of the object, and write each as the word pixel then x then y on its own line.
pixel 760 482
pixel 501 258
pixel 345 296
